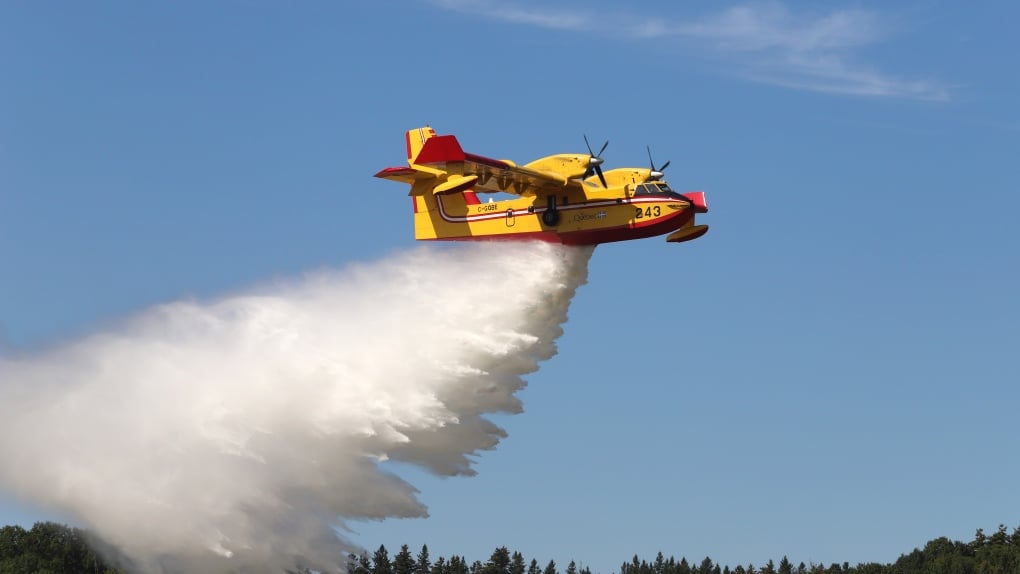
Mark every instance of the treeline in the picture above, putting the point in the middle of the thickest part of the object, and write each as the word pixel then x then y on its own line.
pixel 998 553
pixel 995 554
pixel 50 548
pixel 502 561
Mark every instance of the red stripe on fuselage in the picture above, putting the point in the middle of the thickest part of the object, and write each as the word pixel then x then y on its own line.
pixel 635 230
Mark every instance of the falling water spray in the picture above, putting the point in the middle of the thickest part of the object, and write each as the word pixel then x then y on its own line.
pixel 238 434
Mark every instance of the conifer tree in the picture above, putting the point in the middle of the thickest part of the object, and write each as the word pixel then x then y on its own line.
pixel 550 568
pixel 1000 537
pixel 659 566
pixel 534 568
pixel 517 563
pixel 458 565
pixel 424 565
pixel 499 562
pixel 403 563
pixel 381 561
pixel 979 539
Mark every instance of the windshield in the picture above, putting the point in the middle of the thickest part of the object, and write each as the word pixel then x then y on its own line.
pixel 658 189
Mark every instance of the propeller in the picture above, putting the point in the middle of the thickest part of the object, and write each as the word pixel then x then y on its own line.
pixel 656 174
pixel 595 162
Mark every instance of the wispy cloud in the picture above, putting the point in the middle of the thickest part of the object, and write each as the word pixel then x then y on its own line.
pixel 543 17
pixel 760 42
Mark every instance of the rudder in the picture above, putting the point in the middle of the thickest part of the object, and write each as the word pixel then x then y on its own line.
pixel 416 140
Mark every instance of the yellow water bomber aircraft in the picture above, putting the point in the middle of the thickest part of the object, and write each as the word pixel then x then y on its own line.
pixel 564 198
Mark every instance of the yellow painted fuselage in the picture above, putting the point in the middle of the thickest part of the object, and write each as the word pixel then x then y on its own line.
pixel 597 216
pixel 554 198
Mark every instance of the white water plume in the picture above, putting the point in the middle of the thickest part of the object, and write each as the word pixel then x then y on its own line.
pixel 234 435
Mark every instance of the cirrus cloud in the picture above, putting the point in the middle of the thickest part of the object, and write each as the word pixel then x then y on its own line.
pixel 760 42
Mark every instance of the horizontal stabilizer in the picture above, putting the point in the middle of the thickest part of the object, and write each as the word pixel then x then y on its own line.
pixel 402 174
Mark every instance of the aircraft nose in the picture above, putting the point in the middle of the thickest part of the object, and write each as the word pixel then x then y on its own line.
pixel 697 199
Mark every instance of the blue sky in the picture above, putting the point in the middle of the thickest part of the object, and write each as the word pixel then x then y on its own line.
pixel 829 374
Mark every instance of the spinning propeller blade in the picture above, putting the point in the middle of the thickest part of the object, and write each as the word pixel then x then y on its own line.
pixel 655 174
pixel 595 162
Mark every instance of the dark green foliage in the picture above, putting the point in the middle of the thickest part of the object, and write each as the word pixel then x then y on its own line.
pixel 358 564
pixel 424 565
pixel 499 562
pixel 403 563
pixel 48 548
pixel 517 563
pixel 381 561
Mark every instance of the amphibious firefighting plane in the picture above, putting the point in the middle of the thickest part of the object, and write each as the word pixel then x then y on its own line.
pixel 564 198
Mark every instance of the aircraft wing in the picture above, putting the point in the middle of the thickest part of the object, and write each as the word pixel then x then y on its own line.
pixel 443 155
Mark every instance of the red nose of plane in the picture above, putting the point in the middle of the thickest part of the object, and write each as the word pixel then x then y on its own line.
pixel 697 198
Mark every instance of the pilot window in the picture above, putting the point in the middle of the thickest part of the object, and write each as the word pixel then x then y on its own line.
pixel 659 189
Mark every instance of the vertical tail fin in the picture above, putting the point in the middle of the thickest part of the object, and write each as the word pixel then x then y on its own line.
pixel 415 140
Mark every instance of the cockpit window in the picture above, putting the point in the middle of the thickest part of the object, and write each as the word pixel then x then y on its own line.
pixel 656 188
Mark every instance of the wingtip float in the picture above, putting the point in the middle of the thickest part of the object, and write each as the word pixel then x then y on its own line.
pixel 564 198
